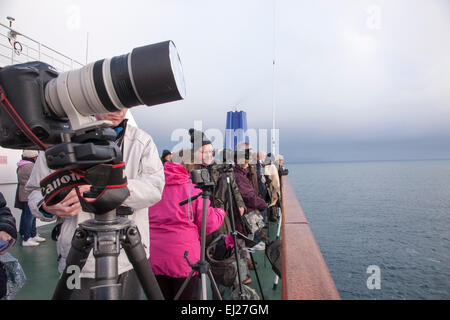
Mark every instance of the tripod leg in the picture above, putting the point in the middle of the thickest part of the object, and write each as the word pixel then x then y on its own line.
pixel 214 284
pixel 237 258
pixel 257 276
pixel 106 251
pixel 279 223
pixel 136 254
pixel 233 227
pixel 204 292
pixel 275 282
pixel 184 285
pixel 78 254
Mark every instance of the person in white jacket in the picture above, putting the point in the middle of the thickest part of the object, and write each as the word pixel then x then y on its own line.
pixel 145 177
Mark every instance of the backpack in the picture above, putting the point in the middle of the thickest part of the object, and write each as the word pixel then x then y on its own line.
pixel 273 253
pixel 222 261
pixel 248 293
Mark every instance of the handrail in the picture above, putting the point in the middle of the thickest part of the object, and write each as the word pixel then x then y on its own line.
pixel 39 52
pixel 304 274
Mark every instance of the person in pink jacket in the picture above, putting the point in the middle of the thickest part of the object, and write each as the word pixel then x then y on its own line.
pixel 175 229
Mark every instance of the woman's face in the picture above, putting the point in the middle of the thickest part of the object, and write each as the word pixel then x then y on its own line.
pixel 204 155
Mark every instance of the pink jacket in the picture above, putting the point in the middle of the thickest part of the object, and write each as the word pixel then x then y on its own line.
pixel 174 229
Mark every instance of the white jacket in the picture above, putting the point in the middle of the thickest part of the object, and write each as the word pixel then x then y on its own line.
pixel 145 176
pixel 272 171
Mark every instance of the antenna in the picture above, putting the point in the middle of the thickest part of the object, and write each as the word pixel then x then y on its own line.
pixel 11 19
pixel 87 46
pixel 12 35
pixel 273 83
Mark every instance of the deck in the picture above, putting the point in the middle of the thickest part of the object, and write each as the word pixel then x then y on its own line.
pixel 305 274
pixel 40 267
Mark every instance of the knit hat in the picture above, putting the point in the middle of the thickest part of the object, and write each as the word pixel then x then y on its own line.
pixel 165 153
pixel 199 138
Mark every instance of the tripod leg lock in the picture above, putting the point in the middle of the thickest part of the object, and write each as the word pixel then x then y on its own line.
pixel 188 262
pixel 107 244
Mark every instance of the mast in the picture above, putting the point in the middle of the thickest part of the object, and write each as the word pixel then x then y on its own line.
pixel 87 46
pixel 273 82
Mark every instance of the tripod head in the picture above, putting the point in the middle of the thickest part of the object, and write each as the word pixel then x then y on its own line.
pixel 225 167
pixel 91 157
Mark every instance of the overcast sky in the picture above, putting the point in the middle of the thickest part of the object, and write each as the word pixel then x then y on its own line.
pixel 354 80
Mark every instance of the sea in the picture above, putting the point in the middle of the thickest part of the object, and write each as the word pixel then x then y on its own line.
pixel 383 227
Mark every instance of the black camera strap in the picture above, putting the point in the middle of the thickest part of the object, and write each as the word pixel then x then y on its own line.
pixel 15 117
pixel 57 185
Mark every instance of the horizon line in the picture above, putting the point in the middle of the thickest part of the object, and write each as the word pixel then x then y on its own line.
pixel 385 160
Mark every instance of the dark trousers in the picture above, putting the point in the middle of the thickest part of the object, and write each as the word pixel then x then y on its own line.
pixel 131 287
pixel 170 286
pixel 27 227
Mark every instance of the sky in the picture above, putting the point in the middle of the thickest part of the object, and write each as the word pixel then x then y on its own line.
pixel 353 80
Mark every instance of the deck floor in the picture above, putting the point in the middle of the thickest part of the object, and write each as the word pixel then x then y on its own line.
pixel 40 267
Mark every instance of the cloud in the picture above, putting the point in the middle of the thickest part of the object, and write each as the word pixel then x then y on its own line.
pixel 377 70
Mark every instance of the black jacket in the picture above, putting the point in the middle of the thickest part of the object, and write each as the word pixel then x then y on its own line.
pixel 7 221
pixel 220 196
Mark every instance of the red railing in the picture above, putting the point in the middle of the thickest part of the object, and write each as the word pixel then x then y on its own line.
pixel 305 275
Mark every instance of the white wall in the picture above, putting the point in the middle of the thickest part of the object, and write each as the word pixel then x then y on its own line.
pixel 8 181
pixel 8 178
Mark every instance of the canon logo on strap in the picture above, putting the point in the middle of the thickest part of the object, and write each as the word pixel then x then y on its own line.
pixel 59 183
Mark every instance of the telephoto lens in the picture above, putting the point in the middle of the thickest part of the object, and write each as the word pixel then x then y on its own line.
pixel 148 75
pixel 38 103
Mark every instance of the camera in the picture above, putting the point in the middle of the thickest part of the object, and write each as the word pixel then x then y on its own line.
pixel 227 156
pixel 201 177
pixel 242 155
pixel 51 104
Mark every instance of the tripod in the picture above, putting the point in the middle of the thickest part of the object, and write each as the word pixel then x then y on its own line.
pixel 110 229
pixel 104 234
pixel 202 266
pixel 234 234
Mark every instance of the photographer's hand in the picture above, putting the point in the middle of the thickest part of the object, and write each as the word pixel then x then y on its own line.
pixel 70 206
pixel 4 236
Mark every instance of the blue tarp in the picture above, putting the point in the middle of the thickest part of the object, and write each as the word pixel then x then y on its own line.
pixel 236 129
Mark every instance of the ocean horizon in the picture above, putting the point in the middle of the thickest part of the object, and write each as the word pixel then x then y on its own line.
pixel 394 215
pixel 286 163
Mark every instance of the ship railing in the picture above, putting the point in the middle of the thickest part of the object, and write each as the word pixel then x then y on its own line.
pixel 305 275
pixel 21 49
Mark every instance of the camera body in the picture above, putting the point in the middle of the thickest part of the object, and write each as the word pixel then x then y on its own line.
pixel 242 156
pixel 24 85
pixel 201 178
